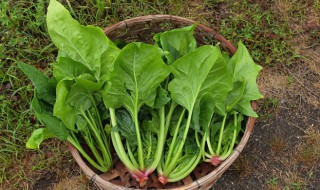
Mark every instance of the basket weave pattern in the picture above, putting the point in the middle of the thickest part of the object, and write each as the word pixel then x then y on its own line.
pixel 205 175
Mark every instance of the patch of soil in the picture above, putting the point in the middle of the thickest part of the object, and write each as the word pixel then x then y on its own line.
pixel 46 182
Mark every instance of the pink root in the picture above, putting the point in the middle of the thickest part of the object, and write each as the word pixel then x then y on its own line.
pixel 141 177
pixel 215 160
pixel 163 179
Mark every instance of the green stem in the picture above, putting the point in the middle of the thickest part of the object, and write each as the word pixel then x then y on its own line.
pixel 169 115
pixel 221 134
pixel 131 156
pixel 85 155
pixel 173 162
pixel 161 142
pixel 173 142
pixel 226 155
pixel 184 169
pixel 94 128
pixel 86 136
pixel 140 152
pixel 180 175
pixel 197 138
pixel 150 147
pixel 117 143
pixel 104 138
pixel 209 145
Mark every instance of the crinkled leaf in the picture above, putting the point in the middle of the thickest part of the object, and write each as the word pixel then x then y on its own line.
pixel 151 125
pixel 191 147
pixel 81 93
pixel 81 122
pixel 44 86
pixel 149 143
pixel 162 98
pixel 177 42
pixel 67 68
pixel 126 127
pixel 138 71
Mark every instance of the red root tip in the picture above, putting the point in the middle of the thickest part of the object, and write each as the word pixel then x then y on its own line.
pixel 163 179
pixel 215 161
pixel 143 181
pixel 140 177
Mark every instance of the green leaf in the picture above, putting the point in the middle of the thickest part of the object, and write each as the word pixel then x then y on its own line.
pixel 242 67
pixel 44 86
pixel 61 109
pixel 196 117
pixel 201 72
pixel 84 44
pixel 67 68
pixel 245 108
pixel 37 137
pixel 43 111
pixel 81 93
pixel 126 127
pixel 235 95
pixel 177 42
pixel 138 71
pixel 162 98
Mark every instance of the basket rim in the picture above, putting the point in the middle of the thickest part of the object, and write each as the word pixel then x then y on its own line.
pixel 218 171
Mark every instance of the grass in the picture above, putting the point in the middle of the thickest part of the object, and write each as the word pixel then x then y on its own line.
pixel 267 31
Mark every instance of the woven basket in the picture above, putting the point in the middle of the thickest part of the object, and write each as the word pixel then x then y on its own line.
pixel 205 175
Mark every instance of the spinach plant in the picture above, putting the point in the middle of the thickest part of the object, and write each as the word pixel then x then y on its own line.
pixel 69 104
pixel 222 128
pixel 135 83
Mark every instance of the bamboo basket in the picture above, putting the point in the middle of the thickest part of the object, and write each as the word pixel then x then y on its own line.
pixel 205 175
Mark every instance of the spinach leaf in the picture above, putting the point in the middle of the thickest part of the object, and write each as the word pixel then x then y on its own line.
pixel 61 109
pixel 138 71
pixel 85 44
pixel 37 137
pixel 45 87
pixel 43 111
pixel 242 67
pixel 177 42
pixel 201 72
pixel 67 68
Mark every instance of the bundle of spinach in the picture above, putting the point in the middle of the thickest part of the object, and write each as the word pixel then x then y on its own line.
pixel 69 104
pixel 170 105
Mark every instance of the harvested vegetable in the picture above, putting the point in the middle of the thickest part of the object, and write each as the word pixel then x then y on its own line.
pixel 164 107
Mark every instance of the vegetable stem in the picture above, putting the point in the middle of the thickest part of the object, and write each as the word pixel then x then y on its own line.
pixel 227 154
pixel 160 145
pixel 173 162
pixel 173 142
pixel 133 160
pixel 221 135
pixel 140 152
pixel 85 155
pixel 117 143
